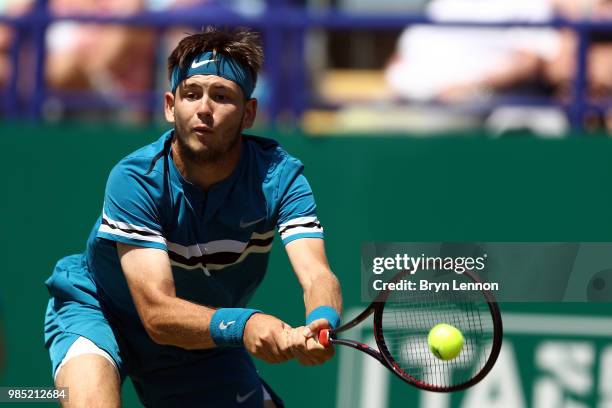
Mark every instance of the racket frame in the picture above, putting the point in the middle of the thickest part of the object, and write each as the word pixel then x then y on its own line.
pixel 383 355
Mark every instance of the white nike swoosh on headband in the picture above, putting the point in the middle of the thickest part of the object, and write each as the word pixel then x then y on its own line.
pixel 200 63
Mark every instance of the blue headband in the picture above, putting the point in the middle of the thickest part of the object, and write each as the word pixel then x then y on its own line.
pixel 213 63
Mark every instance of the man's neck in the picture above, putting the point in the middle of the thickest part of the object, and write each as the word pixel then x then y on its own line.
pixel 207 174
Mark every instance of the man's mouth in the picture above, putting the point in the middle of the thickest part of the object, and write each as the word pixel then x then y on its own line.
pixel 202 130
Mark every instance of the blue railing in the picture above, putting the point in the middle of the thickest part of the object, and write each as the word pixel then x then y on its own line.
pixel 283 28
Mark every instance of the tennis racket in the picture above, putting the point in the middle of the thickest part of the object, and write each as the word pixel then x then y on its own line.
pixel 402 320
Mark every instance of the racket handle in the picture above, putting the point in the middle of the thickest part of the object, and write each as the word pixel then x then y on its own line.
pixel 324 338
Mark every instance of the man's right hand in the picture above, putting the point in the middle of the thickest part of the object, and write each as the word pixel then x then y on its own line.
pixel 268 338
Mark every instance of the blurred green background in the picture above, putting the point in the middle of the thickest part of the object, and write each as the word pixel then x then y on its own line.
pixel 453 187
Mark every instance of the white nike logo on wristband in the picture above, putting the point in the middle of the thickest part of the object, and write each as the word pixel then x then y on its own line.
pixel 224 326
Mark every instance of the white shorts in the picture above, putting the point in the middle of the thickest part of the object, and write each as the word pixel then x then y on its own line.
pixel 83 345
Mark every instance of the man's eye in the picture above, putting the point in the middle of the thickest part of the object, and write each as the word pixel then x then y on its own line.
pixel 220 97
pixel 190 95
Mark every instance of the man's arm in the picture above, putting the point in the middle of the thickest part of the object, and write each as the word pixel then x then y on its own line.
pixel 149 277
pixel 175 321
pixel 321 288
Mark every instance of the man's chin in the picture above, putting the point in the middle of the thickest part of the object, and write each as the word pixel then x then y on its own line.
pixel 196 153
pixel 198 149
pixel 200 144
pixel 202 137
pixel 204 156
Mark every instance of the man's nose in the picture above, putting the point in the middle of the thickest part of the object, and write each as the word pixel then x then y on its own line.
pixel 205 105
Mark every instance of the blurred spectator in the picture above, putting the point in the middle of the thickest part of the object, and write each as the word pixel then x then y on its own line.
pixel 9 8
pixel 110 59
pixel 561 70
pixel 175 34
pixel 599 57
pixel 454 64
pixel 584 9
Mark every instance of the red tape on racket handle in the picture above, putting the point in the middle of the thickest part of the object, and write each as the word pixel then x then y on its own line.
pixel 324 338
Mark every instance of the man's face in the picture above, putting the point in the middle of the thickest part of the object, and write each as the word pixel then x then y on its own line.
pixel 209 113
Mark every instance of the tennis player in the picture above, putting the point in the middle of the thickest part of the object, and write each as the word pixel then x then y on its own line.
pixel 183 241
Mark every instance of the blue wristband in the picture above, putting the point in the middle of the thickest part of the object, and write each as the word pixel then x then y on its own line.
pixel 227 326
pixel 324 312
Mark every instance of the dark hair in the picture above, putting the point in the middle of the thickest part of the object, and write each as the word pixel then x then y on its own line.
pixel 241 44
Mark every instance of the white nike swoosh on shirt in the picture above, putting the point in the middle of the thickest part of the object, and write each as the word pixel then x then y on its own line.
pixel 200 63
pixel 248 224
pixel 224 326
pixel 241 398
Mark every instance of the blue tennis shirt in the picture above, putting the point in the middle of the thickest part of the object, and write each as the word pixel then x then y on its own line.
pixel 218 241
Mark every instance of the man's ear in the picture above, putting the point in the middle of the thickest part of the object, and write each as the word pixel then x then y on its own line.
pixel 169 106
pixel 250 112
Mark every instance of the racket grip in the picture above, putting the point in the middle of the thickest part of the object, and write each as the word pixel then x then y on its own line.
pixel 324 338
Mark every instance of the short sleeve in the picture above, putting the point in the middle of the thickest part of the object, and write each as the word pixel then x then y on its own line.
pixel 297 213
pixel 130 214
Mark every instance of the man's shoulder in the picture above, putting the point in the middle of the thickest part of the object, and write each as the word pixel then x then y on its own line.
pixel 270 153
pixel 145 161
pixel 264 147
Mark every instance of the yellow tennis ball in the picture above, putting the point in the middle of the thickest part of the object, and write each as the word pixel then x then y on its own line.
pixel 445 341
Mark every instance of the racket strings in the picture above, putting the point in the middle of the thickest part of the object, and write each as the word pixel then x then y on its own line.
pixel 407 319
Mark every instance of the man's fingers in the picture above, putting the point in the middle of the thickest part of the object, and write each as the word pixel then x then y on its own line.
pixel 313 329
pixel 307 350
pixel 299 347
pixel 265 337
pixel 318 352
pixel 305 358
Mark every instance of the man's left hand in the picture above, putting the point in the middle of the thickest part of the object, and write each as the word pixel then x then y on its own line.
pixel 305 346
